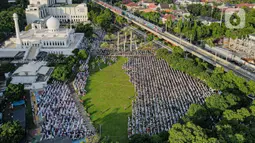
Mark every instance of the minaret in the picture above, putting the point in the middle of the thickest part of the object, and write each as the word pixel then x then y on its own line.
pixel 18 40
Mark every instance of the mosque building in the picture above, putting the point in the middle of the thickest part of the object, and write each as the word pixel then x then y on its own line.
pixel 46 35
pixel 48 39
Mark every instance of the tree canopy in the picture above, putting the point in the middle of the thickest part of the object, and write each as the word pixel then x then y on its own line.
pixel 145 138
pixel 11 132
pixel 189 132
pixel 14 92
pixel 101 17
pixel 7 23
pixel 87 29
pixel 64 66
pixel 61 72
pixel 82 54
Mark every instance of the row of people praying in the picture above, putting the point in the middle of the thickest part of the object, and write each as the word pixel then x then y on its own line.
pixel 60 114
pixel 163 94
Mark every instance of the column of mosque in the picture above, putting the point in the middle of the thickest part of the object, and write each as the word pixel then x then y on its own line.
pixel 18 40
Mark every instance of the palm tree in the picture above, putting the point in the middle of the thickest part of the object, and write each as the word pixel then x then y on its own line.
pixel 169 23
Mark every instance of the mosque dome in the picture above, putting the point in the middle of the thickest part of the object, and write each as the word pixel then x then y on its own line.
pixel 53 24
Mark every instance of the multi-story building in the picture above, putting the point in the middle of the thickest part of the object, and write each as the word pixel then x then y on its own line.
pixel 63 10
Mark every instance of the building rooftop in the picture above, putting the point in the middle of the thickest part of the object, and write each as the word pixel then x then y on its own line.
pixel 44 34
pixel 152 6
pixel 38 21
pixel 164 5
pixel 131 4
pixel 8 54
pixel 32 74
pixel 64 5
pixel 147 1
pixel 12 54
pixel 245 5
pixel 19 114
pixel 30 69
pixel 167 16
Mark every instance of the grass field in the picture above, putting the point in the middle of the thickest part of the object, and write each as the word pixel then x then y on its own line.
pixel 108 100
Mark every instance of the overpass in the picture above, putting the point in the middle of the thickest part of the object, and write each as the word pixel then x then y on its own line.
pixel 195 50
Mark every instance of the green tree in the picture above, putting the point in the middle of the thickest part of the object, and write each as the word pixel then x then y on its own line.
pixel 6 19
pixel 11 132
pixel 216 102
pixel 140 138
pixel 61 72
pixel 120 20
pixel 87 29
pixel 251 86
pixel 150 37
pixel 75 52
pixel 215 81
pixel 82 54
pixel 156 139
pixel 161 53
pixel 169 24
pixel 197 114
pixel 104 19
pixel 189 132
pixel 105 45
pixel 14 92
pixel 28 27
pixel 22 3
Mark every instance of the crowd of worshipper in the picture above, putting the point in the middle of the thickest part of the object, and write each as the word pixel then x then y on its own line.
pixel 100 33
pixel 163 94
pixel 80 80
pixel 60 114
pixel 113 52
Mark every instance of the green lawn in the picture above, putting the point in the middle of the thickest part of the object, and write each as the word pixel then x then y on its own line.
pixel 109 92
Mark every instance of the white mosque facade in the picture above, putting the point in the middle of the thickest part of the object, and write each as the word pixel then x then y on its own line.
pixel 52 39
pixel 63 10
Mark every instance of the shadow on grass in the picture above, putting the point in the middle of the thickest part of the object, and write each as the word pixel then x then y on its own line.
pixel 89 106
pixel 114 126
pixel 105 110
pixel 86 101
pixel 88 84
pixel 92 113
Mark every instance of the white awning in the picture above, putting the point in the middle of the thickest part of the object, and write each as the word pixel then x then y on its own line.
pixel 43 70
pixel 8 54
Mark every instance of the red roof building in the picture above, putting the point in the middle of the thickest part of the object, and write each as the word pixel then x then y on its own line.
pixel 249 5
pixel 230 10
pixel 132 6
pixel 167 16
pixel 152 6
pixel 126 1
